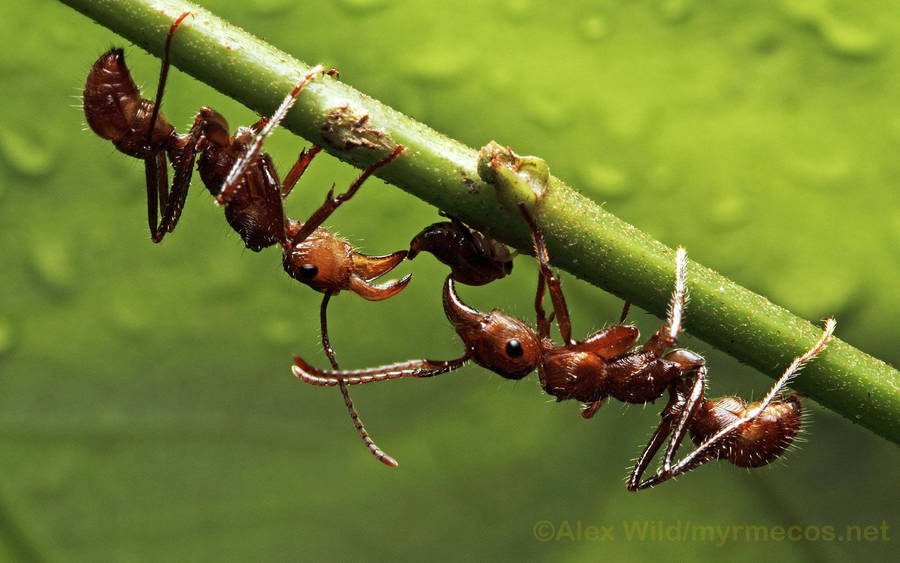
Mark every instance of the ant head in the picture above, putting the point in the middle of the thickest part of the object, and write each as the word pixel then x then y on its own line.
pixel 327 263
pixel 501 343
pixel 321 261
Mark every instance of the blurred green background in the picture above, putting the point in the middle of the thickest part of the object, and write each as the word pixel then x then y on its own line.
pixel 147 409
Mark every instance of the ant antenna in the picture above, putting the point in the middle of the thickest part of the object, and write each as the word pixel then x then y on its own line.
pixel 379 454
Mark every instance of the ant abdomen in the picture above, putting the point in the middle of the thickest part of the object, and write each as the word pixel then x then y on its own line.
pixel 115 110
pixel 473 257
pixel 759 441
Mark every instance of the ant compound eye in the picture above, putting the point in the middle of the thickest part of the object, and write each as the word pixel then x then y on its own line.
pixel 507 267
pixel 308 271
pixel 514 349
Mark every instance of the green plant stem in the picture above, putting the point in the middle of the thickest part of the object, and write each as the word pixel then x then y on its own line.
pixel 583 238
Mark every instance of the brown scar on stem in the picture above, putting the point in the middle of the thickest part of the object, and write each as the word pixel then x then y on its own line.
pixel 347 127
pixel 470 184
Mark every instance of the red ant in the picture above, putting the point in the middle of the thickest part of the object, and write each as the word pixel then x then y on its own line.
pixel 243 179
pixel 607 364
pixel 474 257
pixel 236 173
pixel 115 110
pixel 319 258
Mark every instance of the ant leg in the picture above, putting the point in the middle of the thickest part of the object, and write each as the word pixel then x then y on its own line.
pixel 412 368
pixel 163 74
pixel 553 283
pixel 157 181
pixel 688 363
pixel 237 171
pixel 258 126
pixel 298 169
pixel 667 335
pixel 624 314
pixel 379 454
pixel 677 417
pixel 590 409
pixel 657 440
pixel 707 450
pixel 155 166
pixel 183 161
pixel 332 203
pixel 543 323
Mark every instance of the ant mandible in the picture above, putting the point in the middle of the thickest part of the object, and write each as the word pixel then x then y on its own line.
pixel 606 364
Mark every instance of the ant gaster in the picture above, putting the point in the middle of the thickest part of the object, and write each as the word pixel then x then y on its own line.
pixel 115 111
pixel 474 257
pixel 606 364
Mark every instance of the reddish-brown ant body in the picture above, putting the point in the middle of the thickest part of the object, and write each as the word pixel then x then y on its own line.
pixel 236 172
pixel 243 179
pixel 115 110
pixel 606 364
pixel 312 255
pixel 474 258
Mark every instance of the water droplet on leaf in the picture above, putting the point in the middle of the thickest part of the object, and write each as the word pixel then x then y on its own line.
pixel 438 65
pixel 808 293
pixel 728 211
pixel 279 331
pixel 842 37
pixel 26 155
pixel 361 6
pixel 594 28
pixel 549 113
pixel 127 314
pixel 676 11
pixel 849 40
pixel 272 7
pixel 605 180
pixel 821 169
pixel 50 258
pixel 520 9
